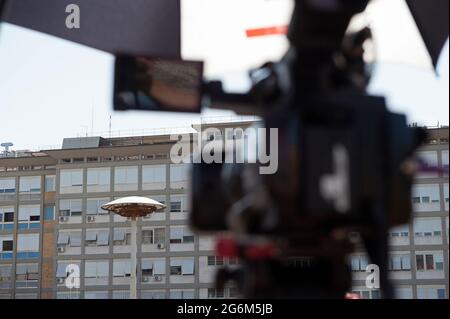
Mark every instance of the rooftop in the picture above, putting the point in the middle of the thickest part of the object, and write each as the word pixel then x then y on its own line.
pixel 141 137
pixel 134 137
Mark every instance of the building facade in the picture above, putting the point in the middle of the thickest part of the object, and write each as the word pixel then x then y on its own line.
pixel 53 230
pixel 418 259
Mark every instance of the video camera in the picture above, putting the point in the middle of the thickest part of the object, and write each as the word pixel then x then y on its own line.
pixel 343 158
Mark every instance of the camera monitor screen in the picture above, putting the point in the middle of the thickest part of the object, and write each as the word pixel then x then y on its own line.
pixel 157 84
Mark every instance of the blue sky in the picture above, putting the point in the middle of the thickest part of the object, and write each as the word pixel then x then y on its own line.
pixel 51 89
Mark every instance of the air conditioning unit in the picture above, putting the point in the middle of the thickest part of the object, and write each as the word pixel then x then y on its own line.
pixel 63 219
pixel 60 280
pixel 145 279
pixel 90 219
pixel 61 249
pixel 158 278
pixel 161 246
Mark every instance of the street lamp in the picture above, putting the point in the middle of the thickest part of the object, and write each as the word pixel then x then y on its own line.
pixel 133 207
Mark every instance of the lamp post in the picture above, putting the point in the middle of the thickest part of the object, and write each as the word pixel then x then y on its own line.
pixel 133 207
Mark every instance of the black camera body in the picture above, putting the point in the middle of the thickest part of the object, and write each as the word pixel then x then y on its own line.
pixel 343 160
pixel 340 161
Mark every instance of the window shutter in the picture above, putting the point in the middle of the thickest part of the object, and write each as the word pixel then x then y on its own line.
pixel 187 267
pixel 159 267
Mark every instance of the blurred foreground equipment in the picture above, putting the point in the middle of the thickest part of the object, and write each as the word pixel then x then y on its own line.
pixel 345 161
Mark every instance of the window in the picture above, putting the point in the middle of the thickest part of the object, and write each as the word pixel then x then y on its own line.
pixel 439 262
pixel 71 180
pixel 215 261
pixel 5 275
pixel 96 295
pixel 67 295
pixel 62 270
pixel 30 184
pixel 178 174
pixel 121 268
pixel 94 206
pixel 97 238
pixel 181 294
pixel 175 206
pixel 126 175
pixel 63 239
pixel 153 267
pixel 7 245
pixel 215 293
pixel 98 179
pixel 6 214
pixel 420 263
pixel 406 262
pixel 25 273
pixel 122 237
pixel 403 293
pixel 8 217
pixel 70 207
pixel 29 213
pixel 49 212
pixel 182 266
pixel 425 194
pixel 178 203
pixel 181 235
pixel 159 235
pixel 399 232
pixel 175 268
pixel 430 292
pixel 429 262
pixel 7 185
pixel 359 263
pixel 153 295
pixel 96 269
pixel 427 227
pixel 27 246
pixel 367 294
pixel 121 294
pixel 72 239
pixel 153 177
pixel 147 236
pixel 400 262
pixel 147 268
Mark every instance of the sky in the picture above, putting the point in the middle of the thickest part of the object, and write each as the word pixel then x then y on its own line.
pixel 52 88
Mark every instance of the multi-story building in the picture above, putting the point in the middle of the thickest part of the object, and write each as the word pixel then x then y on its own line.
pixel 419 259
pixel 51 217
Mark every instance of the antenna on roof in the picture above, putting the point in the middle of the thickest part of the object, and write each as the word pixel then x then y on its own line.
pixel 6 145
pixel 110 126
